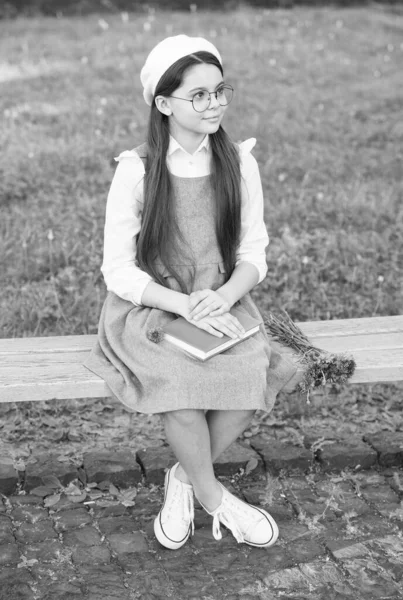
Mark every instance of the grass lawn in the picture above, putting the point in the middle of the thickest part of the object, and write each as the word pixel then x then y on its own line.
pixel 321 90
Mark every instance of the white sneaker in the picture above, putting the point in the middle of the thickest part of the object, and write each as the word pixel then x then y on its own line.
pixel 174 523
pixel 248 524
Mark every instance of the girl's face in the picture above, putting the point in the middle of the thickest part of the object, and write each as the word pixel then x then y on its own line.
pixel 184 122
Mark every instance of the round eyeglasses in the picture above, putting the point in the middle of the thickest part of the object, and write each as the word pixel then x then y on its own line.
pixel 202 99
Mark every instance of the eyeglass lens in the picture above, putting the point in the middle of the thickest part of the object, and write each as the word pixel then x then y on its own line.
pixel 201 100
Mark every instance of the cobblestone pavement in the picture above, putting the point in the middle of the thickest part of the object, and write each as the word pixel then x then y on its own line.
pixel 341 527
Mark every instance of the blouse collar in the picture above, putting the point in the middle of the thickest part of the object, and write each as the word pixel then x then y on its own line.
pixel 174 145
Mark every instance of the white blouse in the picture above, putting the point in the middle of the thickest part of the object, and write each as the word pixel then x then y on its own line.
pixel 124 207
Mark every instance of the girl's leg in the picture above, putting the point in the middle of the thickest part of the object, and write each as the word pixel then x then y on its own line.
pixel 225 426
pixel 188 435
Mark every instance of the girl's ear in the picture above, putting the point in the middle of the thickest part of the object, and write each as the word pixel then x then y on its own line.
pixel 163 105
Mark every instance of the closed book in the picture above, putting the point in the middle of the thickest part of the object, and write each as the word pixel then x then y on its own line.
pixel 204 345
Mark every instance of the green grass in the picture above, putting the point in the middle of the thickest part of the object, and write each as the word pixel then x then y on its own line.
pixel 320 89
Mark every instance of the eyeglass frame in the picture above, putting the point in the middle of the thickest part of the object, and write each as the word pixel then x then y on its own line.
pixel 226 85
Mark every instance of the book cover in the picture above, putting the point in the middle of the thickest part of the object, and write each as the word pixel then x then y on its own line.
pixel 204 345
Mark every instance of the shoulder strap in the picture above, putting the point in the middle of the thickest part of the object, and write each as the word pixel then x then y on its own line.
pixel 142 152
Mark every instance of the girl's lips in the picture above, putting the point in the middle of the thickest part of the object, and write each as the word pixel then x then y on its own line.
pixel 212 118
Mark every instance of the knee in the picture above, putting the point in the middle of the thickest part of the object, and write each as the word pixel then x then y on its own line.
pixel 183 418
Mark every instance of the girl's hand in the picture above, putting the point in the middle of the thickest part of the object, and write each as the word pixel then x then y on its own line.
pixel 223 324
pixel 205 303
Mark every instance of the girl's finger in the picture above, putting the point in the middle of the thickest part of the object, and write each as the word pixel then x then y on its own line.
pixel 226 328
pixel 209 329
pixel 203 309
pixel 234 326
pixel 221 310
pixel 237 324
pixel 194 299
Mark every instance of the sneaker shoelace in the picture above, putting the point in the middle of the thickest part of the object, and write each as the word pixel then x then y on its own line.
pixel 230 513
pixel 186 511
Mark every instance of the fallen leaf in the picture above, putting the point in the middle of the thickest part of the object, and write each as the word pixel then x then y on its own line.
pixel 78 499
pixel 52 500
pixel 72 490
pixel 42 491
pixel 113 490
pixel 251 465
pixel 52 481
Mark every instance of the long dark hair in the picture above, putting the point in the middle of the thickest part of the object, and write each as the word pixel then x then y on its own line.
pixel 155 239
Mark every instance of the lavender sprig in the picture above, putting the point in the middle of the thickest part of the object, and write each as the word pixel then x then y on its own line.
pixel 321 367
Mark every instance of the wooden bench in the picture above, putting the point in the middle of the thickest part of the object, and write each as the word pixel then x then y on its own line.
pixel 50 368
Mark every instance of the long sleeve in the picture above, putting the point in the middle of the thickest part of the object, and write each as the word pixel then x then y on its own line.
pixel 122 224
pixel 254 239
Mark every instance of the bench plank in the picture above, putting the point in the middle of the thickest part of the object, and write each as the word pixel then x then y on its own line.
pixel 51 367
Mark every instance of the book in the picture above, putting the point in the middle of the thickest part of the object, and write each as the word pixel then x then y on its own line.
pixel 204 345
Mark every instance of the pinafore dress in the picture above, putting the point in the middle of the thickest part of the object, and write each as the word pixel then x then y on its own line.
pixel 150 377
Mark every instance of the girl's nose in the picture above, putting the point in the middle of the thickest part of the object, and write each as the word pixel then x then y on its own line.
pixel 213 101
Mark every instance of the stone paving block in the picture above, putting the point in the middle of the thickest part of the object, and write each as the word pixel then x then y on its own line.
pixel 9 554
pixel 65 503
pixel 389 446
pixel 60 572
pixel 16 591
pixel 84 537
pixel 29 514
pixel 237 576
pixel 148 504
pixel 305 550
pixel 389 556
pixel 155 461
pixel 348 549
pixel 287 579
pixel 178 569
pixel 104 581
pixel 372 525
pixel 263 562
pixel 371 581
pixel 93 555
pixel 109 593
pixel 6 530
pixel 126 543
pixel 380 494
pixel 307 504
pixel 342 454
pixel 12 575
pixel 292 530
pixel 71 519
pixel 145 562
pixel 120 468
pixel 44 551
pixel 150 585
pixel 391 511
pixel 8 475
pixel 203 539
pixel 24 499
pixel 111 525
pixel 236 457
pixel 324 575
pixel 113 510
pixel 62 591
pixel 269 495
pixel 45 465
pixel 28 533
pixel 279 456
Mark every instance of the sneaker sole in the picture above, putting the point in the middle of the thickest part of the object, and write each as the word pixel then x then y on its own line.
pixel 273 526
pixel 272 522
pixel 163 539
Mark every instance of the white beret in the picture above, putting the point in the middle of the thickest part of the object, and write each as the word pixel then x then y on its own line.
pixel 165 54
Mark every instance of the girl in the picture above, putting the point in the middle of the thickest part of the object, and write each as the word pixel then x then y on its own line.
pixel 185 235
